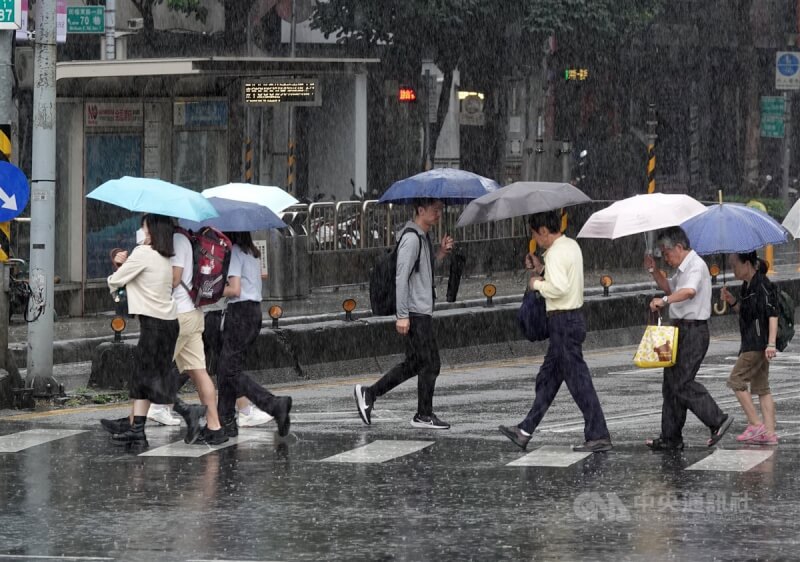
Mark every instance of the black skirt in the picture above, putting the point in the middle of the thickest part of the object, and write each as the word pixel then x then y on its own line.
pixel 154 379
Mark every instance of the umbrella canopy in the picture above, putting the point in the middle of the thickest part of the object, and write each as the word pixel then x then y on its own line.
pixel 730 228
pixel 448 184
pixel 641 213
pixel 792 220
pixel 274 198
pixel 150 195
pixel 237 216
pixel 521 198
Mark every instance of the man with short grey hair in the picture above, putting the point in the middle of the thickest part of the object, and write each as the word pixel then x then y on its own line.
pixel 688 294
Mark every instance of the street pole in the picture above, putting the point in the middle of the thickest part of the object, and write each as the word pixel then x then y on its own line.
pixel 787 147
pixel 652 122
pixel 6 106
pixel 291 144
pixel 111 29
pixel 566 161
pixel 42 264
pixel 427 137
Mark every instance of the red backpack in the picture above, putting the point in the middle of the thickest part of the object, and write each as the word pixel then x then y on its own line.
pixel 211 256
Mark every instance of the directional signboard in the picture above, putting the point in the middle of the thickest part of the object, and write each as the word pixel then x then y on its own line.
pixel 10 14
pixel 772 110
pixel 787 70
pixel 86 19
pixel 14 191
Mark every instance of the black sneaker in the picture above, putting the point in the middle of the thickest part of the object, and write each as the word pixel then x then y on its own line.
pixel 130 437
pixel 116 426
pixel 230 427
pixel 281 413
pixel 192 417
pixel 429 422
pixel 212 436
pixel 364 403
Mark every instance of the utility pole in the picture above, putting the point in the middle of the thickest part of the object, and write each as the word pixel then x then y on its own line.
pixel 291 143
pixel 787 146
pixel 6 105
pixel 43 196
pixel 111 30
pixel 652 123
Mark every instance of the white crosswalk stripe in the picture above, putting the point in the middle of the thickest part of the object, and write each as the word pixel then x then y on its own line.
pixel 22 440
pixel 379 451
pixel 739 460
pixel 550 455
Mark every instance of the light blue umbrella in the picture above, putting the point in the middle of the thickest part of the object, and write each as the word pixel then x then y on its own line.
pixel 728 228
pixel 150 195
pixel 237 216
pixel 448 184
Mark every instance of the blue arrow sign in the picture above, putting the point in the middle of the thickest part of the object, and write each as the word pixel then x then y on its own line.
pixel 14 191
pixel 788 64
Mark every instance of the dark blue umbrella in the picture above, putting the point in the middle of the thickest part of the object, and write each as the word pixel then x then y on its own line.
pixel 237 216
pixel 729 228
pixel 448 184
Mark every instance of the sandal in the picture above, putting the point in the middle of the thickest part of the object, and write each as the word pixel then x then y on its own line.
pixel 659 444
pixel 718 433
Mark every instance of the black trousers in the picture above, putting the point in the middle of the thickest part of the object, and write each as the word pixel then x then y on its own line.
pixel 154 379
pixel 422 360
pixel 680 391
pixel 242 325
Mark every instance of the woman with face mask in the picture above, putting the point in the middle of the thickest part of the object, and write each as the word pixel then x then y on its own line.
pixel 146 275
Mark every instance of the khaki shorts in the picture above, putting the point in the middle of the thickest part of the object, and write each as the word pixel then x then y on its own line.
pixel 189 353
pixel 751 367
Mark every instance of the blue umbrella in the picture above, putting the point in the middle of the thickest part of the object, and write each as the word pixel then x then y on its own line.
pixel 150 195
pixel 729 228
pixel 448 184
pixel 237 216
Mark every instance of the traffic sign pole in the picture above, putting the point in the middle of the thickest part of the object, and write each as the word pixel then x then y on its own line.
pixel 787 147
pixel 6 81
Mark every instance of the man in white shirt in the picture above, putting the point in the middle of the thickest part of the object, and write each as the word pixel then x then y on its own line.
pixel 688 294
pixel 563 292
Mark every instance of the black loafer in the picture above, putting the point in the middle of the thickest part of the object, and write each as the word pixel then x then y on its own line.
pixel 515 434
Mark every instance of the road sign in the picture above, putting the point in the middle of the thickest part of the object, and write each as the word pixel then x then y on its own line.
pixel 772 120
pixel 86 19
pixel 14 191
pixel 787 70
pixel 10 14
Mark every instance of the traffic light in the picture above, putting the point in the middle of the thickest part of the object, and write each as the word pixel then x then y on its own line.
pixel 406 95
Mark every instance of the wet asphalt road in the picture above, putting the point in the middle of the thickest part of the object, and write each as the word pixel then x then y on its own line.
pixel 451 496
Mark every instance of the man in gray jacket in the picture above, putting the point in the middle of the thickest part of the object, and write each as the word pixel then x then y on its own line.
pixel 414 296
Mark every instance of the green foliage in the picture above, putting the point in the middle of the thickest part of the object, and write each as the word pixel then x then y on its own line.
pixel 188 8
pixel 775 207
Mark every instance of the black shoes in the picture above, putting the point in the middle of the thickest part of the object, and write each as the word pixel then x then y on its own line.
pixel 594 446
pixel 229 426
pixel 429 422
pixel 364 403
pixel 134 435
pixel 191 415
pixel 280 411
pixel 659 444
pixel 120 425
pixel 212 436
pixel 515 434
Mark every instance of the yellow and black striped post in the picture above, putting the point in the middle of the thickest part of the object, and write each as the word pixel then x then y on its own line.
pixel 291 168
pixel 652 122
pixel 248 161
pixel 5 227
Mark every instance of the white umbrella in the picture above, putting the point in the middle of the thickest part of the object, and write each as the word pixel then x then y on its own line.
pixel 274 198
pixel 641 213
pixel 521 198
pixel 792 220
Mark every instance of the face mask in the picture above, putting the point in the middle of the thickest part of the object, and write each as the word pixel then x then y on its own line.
pixel 140 236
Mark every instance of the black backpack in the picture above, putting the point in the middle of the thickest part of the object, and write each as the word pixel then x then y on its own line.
pixel 785 320
pixel 382 286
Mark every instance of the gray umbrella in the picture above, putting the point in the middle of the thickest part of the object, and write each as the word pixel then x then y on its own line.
pixel 521 198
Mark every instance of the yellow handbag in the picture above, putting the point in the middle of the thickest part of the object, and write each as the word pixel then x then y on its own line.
pixel 658 348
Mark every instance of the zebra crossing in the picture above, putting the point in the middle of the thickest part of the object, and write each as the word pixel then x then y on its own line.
pixel 381 451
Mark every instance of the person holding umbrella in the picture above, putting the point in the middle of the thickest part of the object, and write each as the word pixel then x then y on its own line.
pixel 147 277
pixel 562 289
pixel 688 292
pixel 757 305
pixel 414 298
pixel 242 325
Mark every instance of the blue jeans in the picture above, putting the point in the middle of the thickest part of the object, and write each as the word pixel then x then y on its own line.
pixel 564 363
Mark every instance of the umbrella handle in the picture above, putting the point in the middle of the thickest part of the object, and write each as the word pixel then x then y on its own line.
pixel 720 308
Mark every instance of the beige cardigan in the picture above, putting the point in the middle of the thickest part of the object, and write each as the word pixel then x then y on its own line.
pixel 147 278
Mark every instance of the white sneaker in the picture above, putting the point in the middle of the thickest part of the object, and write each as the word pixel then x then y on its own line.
pixel 254 418
pixel 163 415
